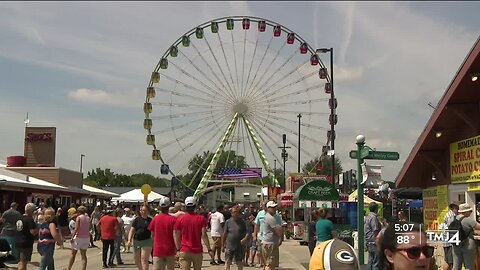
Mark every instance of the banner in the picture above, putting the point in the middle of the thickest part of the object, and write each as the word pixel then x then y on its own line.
pixel 435 206
pixel 372 174
pixel 465 160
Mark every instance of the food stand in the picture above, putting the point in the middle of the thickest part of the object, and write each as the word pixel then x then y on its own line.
pixel 314 194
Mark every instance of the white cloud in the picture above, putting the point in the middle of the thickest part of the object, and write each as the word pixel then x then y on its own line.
pixel 102 97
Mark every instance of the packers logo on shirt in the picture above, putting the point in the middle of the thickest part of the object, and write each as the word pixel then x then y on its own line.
pixel 344 256
pixel 334 254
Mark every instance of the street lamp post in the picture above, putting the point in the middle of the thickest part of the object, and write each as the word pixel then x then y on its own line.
pixel 284 155
pixel 299 119
pixel 360 221
pixel 333 117
pixel 275 168
pixel 81 163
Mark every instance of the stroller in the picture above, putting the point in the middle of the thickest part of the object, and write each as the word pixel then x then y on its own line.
pixel 5 254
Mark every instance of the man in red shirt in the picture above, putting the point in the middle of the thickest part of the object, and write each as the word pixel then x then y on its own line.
pixel 161 228
pixel 108 226
pixel 189 231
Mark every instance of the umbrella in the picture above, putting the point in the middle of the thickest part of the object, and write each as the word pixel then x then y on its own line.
pixel 136 195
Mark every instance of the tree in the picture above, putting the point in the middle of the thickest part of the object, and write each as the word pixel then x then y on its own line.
pixel 100 178
pixel 143 178
pixel 199 164
pixel 106 178
pixel 266 181
pixel 322 166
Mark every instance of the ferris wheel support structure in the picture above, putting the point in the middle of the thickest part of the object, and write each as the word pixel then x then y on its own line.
pixel 213 164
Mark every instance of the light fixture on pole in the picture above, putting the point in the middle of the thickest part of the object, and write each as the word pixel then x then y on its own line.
pixel 81 163
pixel 329 89
pixel 284 155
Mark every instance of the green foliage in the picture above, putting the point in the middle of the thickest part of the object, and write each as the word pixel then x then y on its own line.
pixel 106 178
pixel 199 164
pixel 326 163
pixel 266 181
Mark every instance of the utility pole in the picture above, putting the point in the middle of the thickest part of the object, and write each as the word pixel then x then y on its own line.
pixel 81 163
pixel 299 119
pixel 275 168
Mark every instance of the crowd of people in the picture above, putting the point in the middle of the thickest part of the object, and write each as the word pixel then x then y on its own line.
pixel 168 236
pixel 174 236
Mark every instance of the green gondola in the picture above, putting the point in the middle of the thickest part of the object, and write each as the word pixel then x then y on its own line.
pixel 174 51
pixel 199 32
pixel 214 27
pixel 185 41
pixel 230 24
pixel 163 63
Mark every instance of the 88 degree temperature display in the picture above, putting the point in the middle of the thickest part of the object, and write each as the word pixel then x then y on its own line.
pixel 404 233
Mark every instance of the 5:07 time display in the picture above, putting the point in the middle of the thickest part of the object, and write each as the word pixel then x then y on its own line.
pixel 407 227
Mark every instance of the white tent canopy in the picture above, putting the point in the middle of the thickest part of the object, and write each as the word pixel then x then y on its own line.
pixel 136 195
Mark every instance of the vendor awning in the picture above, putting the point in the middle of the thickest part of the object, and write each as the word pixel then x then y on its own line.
pixel 14 179
pixel 317 190
pixel 136 195
pixel 99 192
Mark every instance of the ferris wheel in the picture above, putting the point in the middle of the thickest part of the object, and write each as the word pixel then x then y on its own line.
pixel 237 84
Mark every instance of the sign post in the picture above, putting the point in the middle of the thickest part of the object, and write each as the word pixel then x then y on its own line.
pixel 365 152
pixel 146 189
pixel 361 234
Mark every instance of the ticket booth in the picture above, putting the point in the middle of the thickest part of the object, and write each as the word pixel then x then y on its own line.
pixel 312 195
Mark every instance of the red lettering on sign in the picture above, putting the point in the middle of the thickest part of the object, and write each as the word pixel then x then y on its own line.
pixel 39 137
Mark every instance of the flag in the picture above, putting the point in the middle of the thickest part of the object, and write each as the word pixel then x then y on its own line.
pixel 237 173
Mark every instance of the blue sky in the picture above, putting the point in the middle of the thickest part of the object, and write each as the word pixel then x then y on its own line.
pixel 84 66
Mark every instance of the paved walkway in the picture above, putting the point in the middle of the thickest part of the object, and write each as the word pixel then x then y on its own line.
pixel 292 257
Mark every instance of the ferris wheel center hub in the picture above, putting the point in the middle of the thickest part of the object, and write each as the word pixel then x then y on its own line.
pixel 240 108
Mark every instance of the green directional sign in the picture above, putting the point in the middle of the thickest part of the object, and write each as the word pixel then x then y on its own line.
pixel 383 155
pixel 378 155
pixel 365 152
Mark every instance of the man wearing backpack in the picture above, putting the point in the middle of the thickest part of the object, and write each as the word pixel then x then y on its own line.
pixel 465 252
pixel 447 247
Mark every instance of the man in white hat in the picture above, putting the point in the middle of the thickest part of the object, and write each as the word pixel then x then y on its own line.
pixel 272 237
pixel 465 252
pixel 162 234
pixel 189 231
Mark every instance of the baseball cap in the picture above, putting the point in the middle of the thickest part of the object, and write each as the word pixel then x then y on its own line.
pixel 164 202
pixel 271 204
pixel 190 201
pixel 334 254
